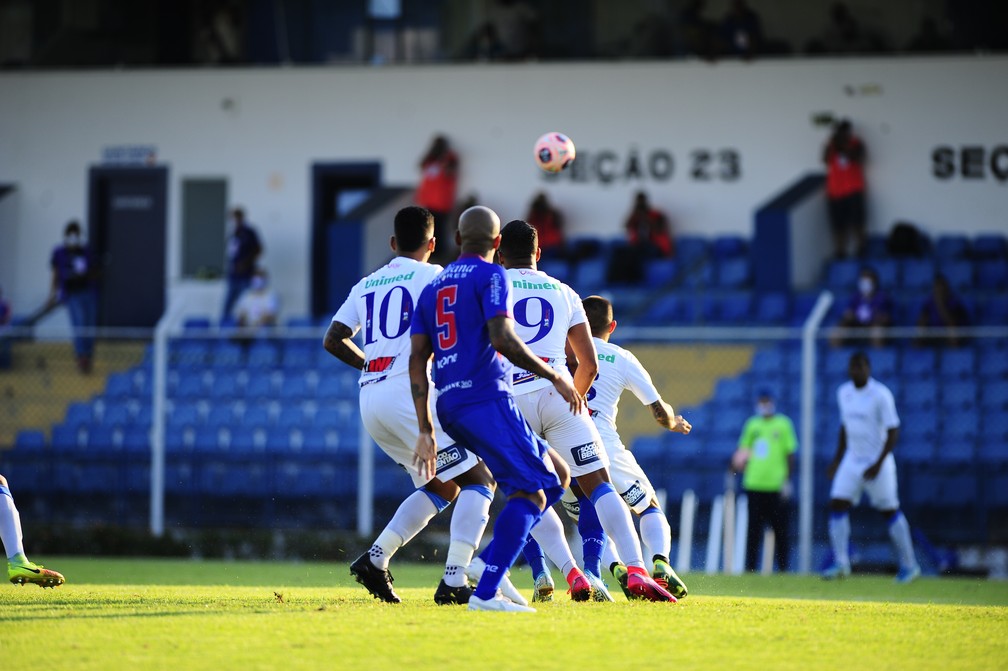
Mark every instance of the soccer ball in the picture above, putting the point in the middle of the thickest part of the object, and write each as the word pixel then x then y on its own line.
pixel 554 152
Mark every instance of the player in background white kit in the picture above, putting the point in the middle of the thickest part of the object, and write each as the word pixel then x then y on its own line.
pixel 548 314
pixel 619 370
pixel 382 306
pixel 869 427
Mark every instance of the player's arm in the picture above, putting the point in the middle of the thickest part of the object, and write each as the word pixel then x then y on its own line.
pixel 421 351
pixel 583 347
pixel 892 434
pixel 506 341
pixel 338 342
pixel 666 417
pixel 572 360
pixel 841 449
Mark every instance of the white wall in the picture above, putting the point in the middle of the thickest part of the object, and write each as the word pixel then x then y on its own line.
pixel 54 125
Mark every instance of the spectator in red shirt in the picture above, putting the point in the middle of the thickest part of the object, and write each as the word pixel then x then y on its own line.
pixel 436 192
pixel 648 228
pixel 844 156
pixel 548 222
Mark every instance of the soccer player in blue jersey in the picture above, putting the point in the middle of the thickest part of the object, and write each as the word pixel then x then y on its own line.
pixel 463 319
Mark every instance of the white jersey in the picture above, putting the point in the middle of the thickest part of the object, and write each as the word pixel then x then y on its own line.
pixel 382 305
pixel 867 414
pixel 544 310
pixel 618 369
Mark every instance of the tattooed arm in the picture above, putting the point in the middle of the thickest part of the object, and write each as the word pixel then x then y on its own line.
pixel 665 417
pixel 421 351
pixel 338 342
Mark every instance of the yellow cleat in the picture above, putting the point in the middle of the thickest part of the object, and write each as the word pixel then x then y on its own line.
pixel 29 572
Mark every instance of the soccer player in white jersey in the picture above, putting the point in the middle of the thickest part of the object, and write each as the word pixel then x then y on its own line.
pixel 19 569
pixel 869 427
pixel 619 370
pixel 382 305
pixel 548 314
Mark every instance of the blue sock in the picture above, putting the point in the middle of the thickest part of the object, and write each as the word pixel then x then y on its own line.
pixel 534 556
pixel 510 531
pixel 593 538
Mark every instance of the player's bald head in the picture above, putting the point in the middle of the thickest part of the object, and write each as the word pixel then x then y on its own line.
pixel 478 228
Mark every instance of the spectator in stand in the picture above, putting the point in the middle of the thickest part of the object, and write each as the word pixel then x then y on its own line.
pixel 869 309
pixel 699 36
pixel 516 24
pixel 942 309
pixel 243 250
pixel 439 169
pixel 74 271
pixel 258 305
pixel 742 31
pixel 844 156
pixel 648 236
pixel 548 222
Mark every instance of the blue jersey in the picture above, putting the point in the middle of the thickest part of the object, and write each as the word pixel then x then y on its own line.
pixel 453 311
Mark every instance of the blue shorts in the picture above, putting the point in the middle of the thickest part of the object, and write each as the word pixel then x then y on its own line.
pixel 498 433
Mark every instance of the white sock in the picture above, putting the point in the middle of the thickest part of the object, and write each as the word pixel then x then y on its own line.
pixel 839 534
pixel 899 532
pixel 10 525
pixel 412 515
pixel 549 533
pixel 656 533
pixel 469 520
pixel 609 555
pixel 615 518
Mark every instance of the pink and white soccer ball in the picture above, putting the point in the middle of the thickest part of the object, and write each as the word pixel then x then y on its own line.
pixel 554 152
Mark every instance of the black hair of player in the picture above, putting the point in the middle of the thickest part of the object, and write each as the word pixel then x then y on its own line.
pixel 414 226
pixel 599 312
pixel 519 240
pixel 860 357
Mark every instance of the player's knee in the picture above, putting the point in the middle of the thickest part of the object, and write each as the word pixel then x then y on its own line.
pixel 839 505
pixel 446 490
pixel 537 498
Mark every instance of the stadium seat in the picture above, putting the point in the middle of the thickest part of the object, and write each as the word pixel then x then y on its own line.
pixel 772 309
pixel 918 425
pixel 883 362
pixel 295 387
pixel 260 385
pixel 957 363
pixel 78 413
pixel 887 271
pixel 958 273
pixel 226 354
pixel 733 392
pixel 915 449
pixel 557 268
pixel 334 386
pixel 921 395
pixel 958 395
pixel 876 246
pixel 992 275
pixel 67 437
pixel 836 362
pixel 769 360
pixel 916 274
pixel 698 275
pixel 952 246
pixel 291 416
pixel 189 384
pixel 119 386
pixel 919 362
pixel 263 355
pixel 30 439
pixel 730 308
pixel 671 309
pixel 117 414
pixel 660 272
pixel 729 247
pixel 842 274
pixel 994 311
pixel 994 396
pixel 731 273
pixel 690 248
pixel 989 246
pixel 183 413
pixel 226 385
pixel 590 274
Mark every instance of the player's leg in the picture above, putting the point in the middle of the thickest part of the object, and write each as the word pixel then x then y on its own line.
pixel 657 536
pixel 882 492
pixel 19 568
pixel 469 520
pixel 781 526
pixel 848 482
pixel 754 531
pixel 543 585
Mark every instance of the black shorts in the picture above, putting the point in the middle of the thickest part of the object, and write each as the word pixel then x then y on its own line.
pixel 847 212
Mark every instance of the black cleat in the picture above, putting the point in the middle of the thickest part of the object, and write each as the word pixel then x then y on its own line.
pixel 375 580
pixel 447 595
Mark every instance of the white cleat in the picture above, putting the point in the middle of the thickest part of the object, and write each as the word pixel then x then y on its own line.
pixel 599 591
pixel 475 571
pixel 499 603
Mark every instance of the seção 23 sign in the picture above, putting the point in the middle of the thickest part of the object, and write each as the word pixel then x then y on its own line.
pixel 608 166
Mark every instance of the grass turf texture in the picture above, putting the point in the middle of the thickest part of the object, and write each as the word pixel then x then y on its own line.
pixel 176 614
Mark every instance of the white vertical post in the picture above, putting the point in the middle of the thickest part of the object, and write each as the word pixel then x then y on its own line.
pixel 687 514
pixel 807 462
pixel 728 553
pixel 741 533
pixel 766 561
pixel 159 383
pixel 714 536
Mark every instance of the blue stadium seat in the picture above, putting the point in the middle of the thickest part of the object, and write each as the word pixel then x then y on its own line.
pixel 197 323
pixel 918 425
pixel 916 274
pixel 137 439
pixel 729 246
pixel 876 246
pixel 994 396
pixel 919 362
pixel 67 437
pixel 222 414
pixel 992 275
pixel 772 309
pixel 210 440
pixel 836 362
pixel 732 273
pixel 733 392
pixel 921 395
pixel 915 449
pixel 671 309
pixel 226 354
pixel 260 385
pixel 189 352
pixel 769 360
pixel 842 274
pixel 300 322
pixel 660 272
pixel 291 416
pixel 958 273
pixel 189 384
pixel 698 275
pixel 989 246
pixel 104 439
pixel 556 268
pixel 995 311
pixel 958 395
pixel 801 306
pixel 730 308
pixel 952 245
pixel 335 386
pixel 246 440
pixel 883 362
pixel 183 413
pixel 117 414
pixel 318 440
pixel 888 273
pixel 589 274
pixel 262 354
pixel 691 248
pixel 294 387
pixel 30 439
pixel 78 413
pixel 226 385
pixel 119 386
pixel 957 363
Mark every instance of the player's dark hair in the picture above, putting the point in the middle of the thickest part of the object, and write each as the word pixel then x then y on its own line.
pixel 73 226
pixel 860 357
pixel 599 313
pixel 414 226
pixel 518 240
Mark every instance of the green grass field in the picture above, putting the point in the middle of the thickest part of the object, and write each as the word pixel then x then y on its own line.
pixel 176 614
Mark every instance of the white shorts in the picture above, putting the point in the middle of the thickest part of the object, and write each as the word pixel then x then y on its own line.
pixel 849 482
pixel 627 477
pixel 390 417
pixel 573 436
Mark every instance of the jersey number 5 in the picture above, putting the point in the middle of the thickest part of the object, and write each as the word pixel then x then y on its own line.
pixel 444 315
